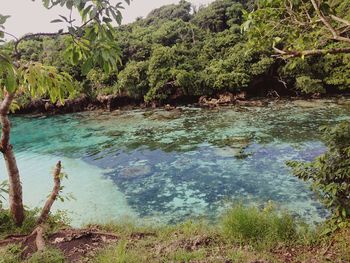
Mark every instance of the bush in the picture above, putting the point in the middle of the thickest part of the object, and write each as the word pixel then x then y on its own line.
pixel 7 226
pixel 330 172
pixel 261 228
pixel 309 85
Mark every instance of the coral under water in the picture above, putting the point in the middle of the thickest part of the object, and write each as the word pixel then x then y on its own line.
pixel 172 165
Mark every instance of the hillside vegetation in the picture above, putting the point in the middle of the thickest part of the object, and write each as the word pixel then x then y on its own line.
pixel 180 51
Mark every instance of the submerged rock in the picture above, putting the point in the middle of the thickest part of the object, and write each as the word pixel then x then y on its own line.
pixel 228 151
pixel 232 147
pixel 308 103
pixel 166 115
pixel 136 171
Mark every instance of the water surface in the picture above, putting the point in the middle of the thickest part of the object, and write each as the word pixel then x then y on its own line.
pixel 170 166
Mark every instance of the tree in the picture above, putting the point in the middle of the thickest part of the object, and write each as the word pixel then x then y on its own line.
pixel 300 28
pixel 91 44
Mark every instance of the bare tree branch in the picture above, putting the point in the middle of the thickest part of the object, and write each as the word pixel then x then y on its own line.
pixel 55 192
pixel 341 20
pixel 324 20
pixel 306 53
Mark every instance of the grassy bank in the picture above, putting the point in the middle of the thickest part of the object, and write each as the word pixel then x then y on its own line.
pixel 241 235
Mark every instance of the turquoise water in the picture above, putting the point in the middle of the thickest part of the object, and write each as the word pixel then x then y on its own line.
pixel 165 166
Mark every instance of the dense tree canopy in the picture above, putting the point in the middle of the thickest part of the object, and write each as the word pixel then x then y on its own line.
pixel 229 45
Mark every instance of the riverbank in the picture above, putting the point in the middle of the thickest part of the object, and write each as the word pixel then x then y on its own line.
pixel 243 234
pixel 114 102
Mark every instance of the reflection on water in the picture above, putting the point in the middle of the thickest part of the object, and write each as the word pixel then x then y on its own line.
pixel 171 165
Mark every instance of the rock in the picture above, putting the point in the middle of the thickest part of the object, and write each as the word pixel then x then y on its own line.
pixel 316 95
pixel 48 106
pixel 204 101
pixel 166 115
pixel 168 107
pixel 136 171
pixel 227 152
pixel 226 98
pixel 241 96
pixel 307 103
pixel 251 103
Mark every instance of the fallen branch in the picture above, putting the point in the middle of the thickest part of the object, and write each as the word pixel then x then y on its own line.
pixel 55 192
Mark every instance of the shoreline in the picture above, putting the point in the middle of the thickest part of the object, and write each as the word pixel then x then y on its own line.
pixel 111 103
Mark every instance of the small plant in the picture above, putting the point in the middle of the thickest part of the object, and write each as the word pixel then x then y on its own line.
pixel 49 255
pixel 10 254
pixel 260 228
pixel 117 254
pixel 182 255
pixel 330 173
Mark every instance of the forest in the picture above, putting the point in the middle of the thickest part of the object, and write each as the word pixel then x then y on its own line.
pixel 180 53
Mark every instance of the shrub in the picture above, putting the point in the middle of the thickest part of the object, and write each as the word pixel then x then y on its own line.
pixel 256 227
pixel 330 172
pixel 7 225
pixel 309 85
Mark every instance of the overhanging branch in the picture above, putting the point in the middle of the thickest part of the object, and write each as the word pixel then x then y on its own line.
pixel 308 53
pixel 328 25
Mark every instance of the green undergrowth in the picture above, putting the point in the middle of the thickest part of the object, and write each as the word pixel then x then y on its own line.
pixel 12 254
pixel 8 227
pixel 241 234
pixel 263 228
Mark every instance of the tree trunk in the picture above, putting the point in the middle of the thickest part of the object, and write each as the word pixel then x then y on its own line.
pixel 15 187
pixel 55 192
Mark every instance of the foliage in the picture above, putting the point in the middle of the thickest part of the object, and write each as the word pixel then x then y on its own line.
pixel 309 85
pixel 133 81
pixel 118 254
pixel 178 50
pixel 292 26
pixel 261 228
pixel 330 172
pixel 7 226
pixel 10 254
pixel 90 45
pixel 49 255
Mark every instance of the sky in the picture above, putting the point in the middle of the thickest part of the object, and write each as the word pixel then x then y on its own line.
pixel 31 17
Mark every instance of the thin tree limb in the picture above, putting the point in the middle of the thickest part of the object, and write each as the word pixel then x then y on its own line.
pixel 55 192
pixel 324 20
pixel 341 20
pixel 306 53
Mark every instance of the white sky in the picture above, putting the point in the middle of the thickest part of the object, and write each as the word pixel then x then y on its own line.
pixel 31 17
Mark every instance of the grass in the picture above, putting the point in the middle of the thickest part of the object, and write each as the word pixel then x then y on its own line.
pixel 259 228
pixel 243 234
pixel 8 227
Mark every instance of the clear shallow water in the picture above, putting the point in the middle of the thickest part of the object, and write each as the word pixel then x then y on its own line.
pixel 169 166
